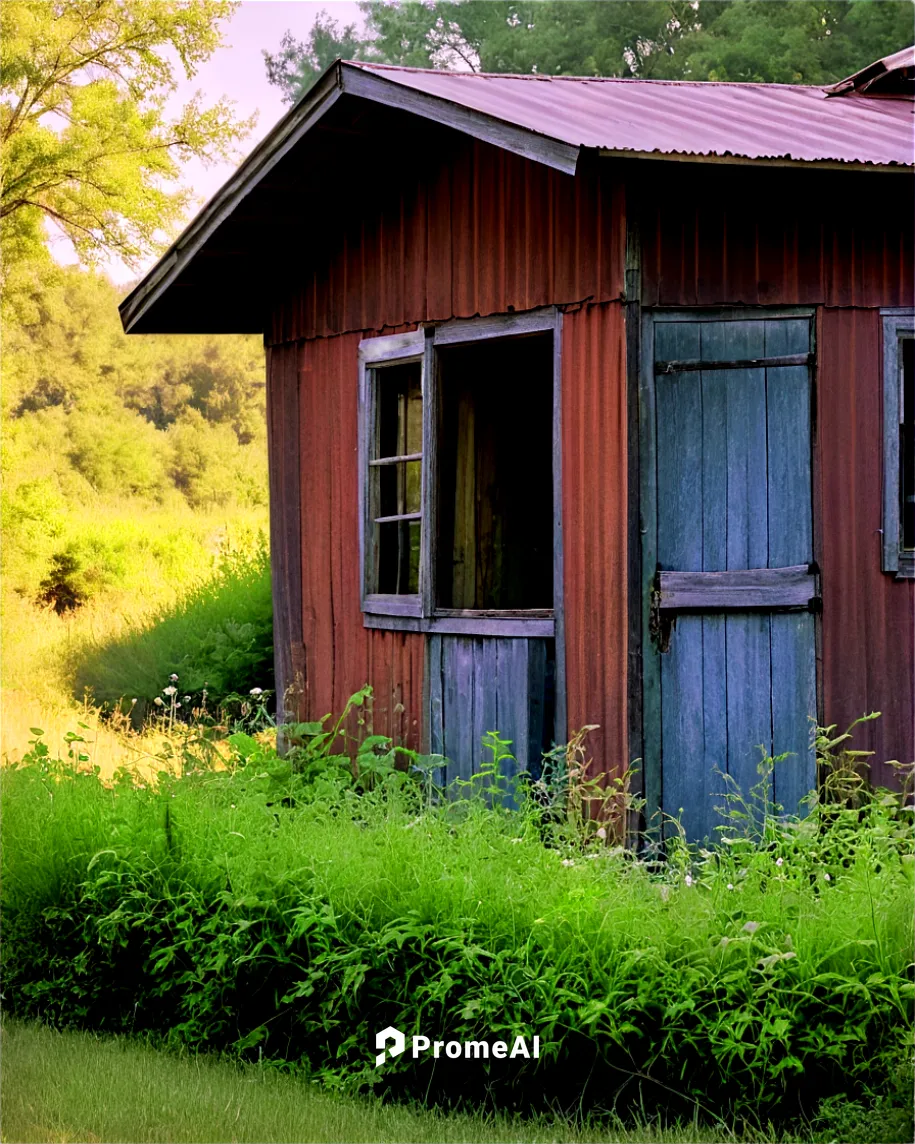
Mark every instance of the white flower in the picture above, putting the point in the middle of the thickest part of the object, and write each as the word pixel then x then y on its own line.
pixel 256 691
pixel 730 885
pixel 568 861
pixel 173 678
pixel 689 879
pixel 232 805
pixel 132 702
pixel 169 691
pixel 779 861
pixel 158 702
pixel 601 833
pixel 827 877
pixel 187 699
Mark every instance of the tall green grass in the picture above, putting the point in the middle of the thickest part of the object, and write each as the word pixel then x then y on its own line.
pixel 255 912
pixel 216 635
pixel 79 1086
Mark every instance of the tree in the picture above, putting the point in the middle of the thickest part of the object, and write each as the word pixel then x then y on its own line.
pixel 806 41
pixel 298 63
pixel 86 142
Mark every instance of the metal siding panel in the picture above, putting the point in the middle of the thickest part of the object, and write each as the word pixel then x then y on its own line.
pixel 594 498
pixel 778 238
pixel 868 617
pixel 472 230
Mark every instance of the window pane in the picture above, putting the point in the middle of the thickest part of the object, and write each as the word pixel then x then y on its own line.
pixel 398 557
pixel 907 445
pixel 399 488
pixel 400 409
pixel 495 487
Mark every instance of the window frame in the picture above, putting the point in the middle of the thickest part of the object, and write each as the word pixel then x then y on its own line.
pixel 418 612
pixel 898 325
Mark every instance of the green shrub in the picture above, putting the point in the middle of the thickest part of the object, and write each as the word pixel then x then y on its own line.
pixel 217 635
pixel 287 907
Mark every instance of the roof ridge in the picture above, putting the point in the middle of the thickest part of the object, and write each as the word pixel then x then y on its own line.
pixel 540 77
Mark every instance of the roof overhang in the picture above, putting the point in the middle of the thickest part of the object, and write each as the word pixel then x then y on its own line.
pixel 340 78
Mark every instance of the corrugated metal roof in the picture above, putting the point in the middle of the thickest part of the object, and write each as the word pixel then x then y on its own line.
pixel 750 121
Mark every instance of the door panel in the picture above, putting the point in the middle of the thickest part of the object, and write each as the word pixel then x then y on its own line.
pixel 487 683
pixel 733 488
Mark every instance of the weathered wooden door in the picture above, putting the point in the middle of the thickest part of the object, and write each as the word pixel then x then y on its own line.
pixel 731 587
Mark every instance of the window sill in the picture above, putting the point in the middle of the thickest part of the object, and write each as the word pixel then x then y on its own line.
pixel 535 624
pixel 905 569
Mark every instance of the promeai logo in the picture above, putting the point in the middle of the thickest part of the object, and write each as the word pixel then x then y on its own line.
pixel 391 1036
pixel 453 1050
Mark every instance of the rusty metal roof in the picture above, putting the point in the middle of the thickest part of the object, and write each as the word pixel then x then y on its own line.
pixel 742 121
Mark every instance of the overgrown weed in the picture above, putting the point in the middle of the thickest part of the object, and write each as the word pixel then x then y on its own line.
pixel 289 907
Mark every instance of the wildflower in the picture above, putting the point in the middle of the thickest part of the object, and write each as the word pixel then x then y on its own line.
pixel 688 879
pixel 173 678
pixel 187 699
pixel 517 840
pixel 568 861
pixel 255 691
pixel 730 885
pixel 827 877
pixel 779 861
pixel 751 927
pixel 158 702
pixel 601 833
pixel 169 691
pixel 232 805
pixel 132 702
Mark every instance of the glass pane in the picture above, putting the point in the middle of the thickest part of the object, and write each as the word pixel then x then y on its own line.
pixel 399 488
pixel 398 557
pixel 400 409
pixel 907 444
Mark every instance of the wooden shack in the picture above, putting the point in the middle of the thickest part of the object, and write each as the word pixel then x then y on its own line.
pixel 590 401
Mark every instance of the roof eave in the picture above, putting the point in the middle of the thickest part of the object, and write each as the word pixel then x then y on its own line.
pixel 339 78
pixel 748 161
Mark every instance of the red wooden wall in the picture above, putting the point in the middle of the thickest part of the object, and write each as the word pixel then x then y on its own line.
pixel 487 233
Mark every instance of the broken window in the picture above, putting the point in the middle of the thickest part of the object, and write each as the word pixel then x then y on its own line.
pixel 458 491
pixel 494 547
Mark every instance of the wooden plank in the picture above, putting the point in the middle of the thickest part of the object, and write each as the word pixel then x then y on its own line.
pixel 679 454
pixel 388 605
pixel 891 413
pixel 790 521
pixel 749 711
pixel 462 330
pixel 398 516
pixel 429 482
pixel 714 718
pixel 489 688
pixel 714 363
pixel 747 517
pixel 792 587
pixel 407 621
pixel 436 701
pixel 794 706
pixel 714 392
pixel 648 522
pixel 539 733
pixel 685 786
pixel 633 322
pixel 392 347
pixel 560 728
pixel 459 713
pixel 396 460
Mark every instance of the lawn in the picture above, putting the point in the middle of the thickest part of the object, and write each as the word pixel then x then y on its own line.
pixel 72 1086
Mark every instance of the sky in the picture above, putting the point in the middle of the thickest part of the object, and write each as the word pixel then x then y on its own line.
pixel 237 70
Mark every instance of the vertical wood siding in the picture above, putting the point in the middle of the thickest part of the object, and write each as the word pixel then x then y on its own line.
pixel 594 491
pixel 730 236
pixel 481 231
pixel 868 617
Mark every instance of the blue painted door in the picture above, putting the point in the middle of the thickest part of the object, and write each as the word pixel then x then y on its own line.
pixel 735 648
